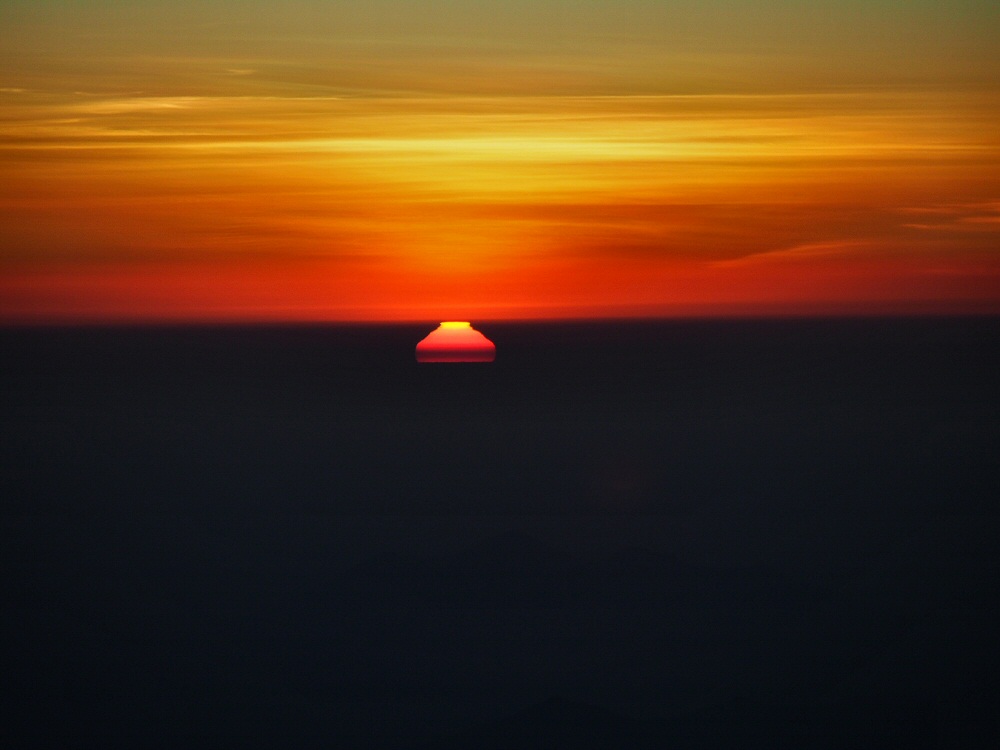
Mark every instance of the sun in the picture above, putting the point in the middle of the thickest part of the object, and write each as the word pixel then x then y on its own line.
pixel 455 341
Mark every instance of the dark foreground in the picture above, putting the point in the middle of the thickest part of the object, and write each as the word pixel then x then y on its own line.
pixel 696 534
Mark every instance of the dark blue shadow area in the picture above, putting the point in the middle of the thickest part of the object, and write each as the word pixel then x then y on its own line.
pixel 694 534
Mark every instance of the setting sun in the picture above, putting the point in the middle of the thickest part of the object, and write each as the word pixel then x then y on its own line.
pixel 455 341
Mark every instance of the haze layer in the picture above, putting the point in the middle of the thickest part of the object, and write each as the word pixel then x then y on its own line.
pixel 397 160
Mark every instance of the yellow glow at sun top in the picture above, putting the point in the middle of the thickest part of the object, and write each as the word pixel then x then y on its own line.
pixel 456 324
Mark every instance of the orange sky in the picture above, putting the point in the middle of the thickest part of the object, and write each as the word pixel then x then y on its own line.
pixel 162 162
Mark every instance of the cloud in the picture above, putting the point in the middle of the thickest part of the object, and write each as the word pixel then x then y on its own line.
pixel 797 253
pixel 137 104
pixel 982 216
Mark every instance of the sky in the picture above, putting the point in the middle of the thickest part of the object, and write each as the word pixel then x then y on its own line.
pixel 448 159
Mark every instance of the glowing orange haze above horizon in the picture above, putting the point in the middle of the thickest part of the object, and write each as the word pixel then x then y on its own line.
pixel 238 186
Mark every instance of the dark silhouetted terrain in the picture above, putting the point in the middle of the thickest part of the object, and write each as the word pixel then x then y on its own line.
pixel 676 534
